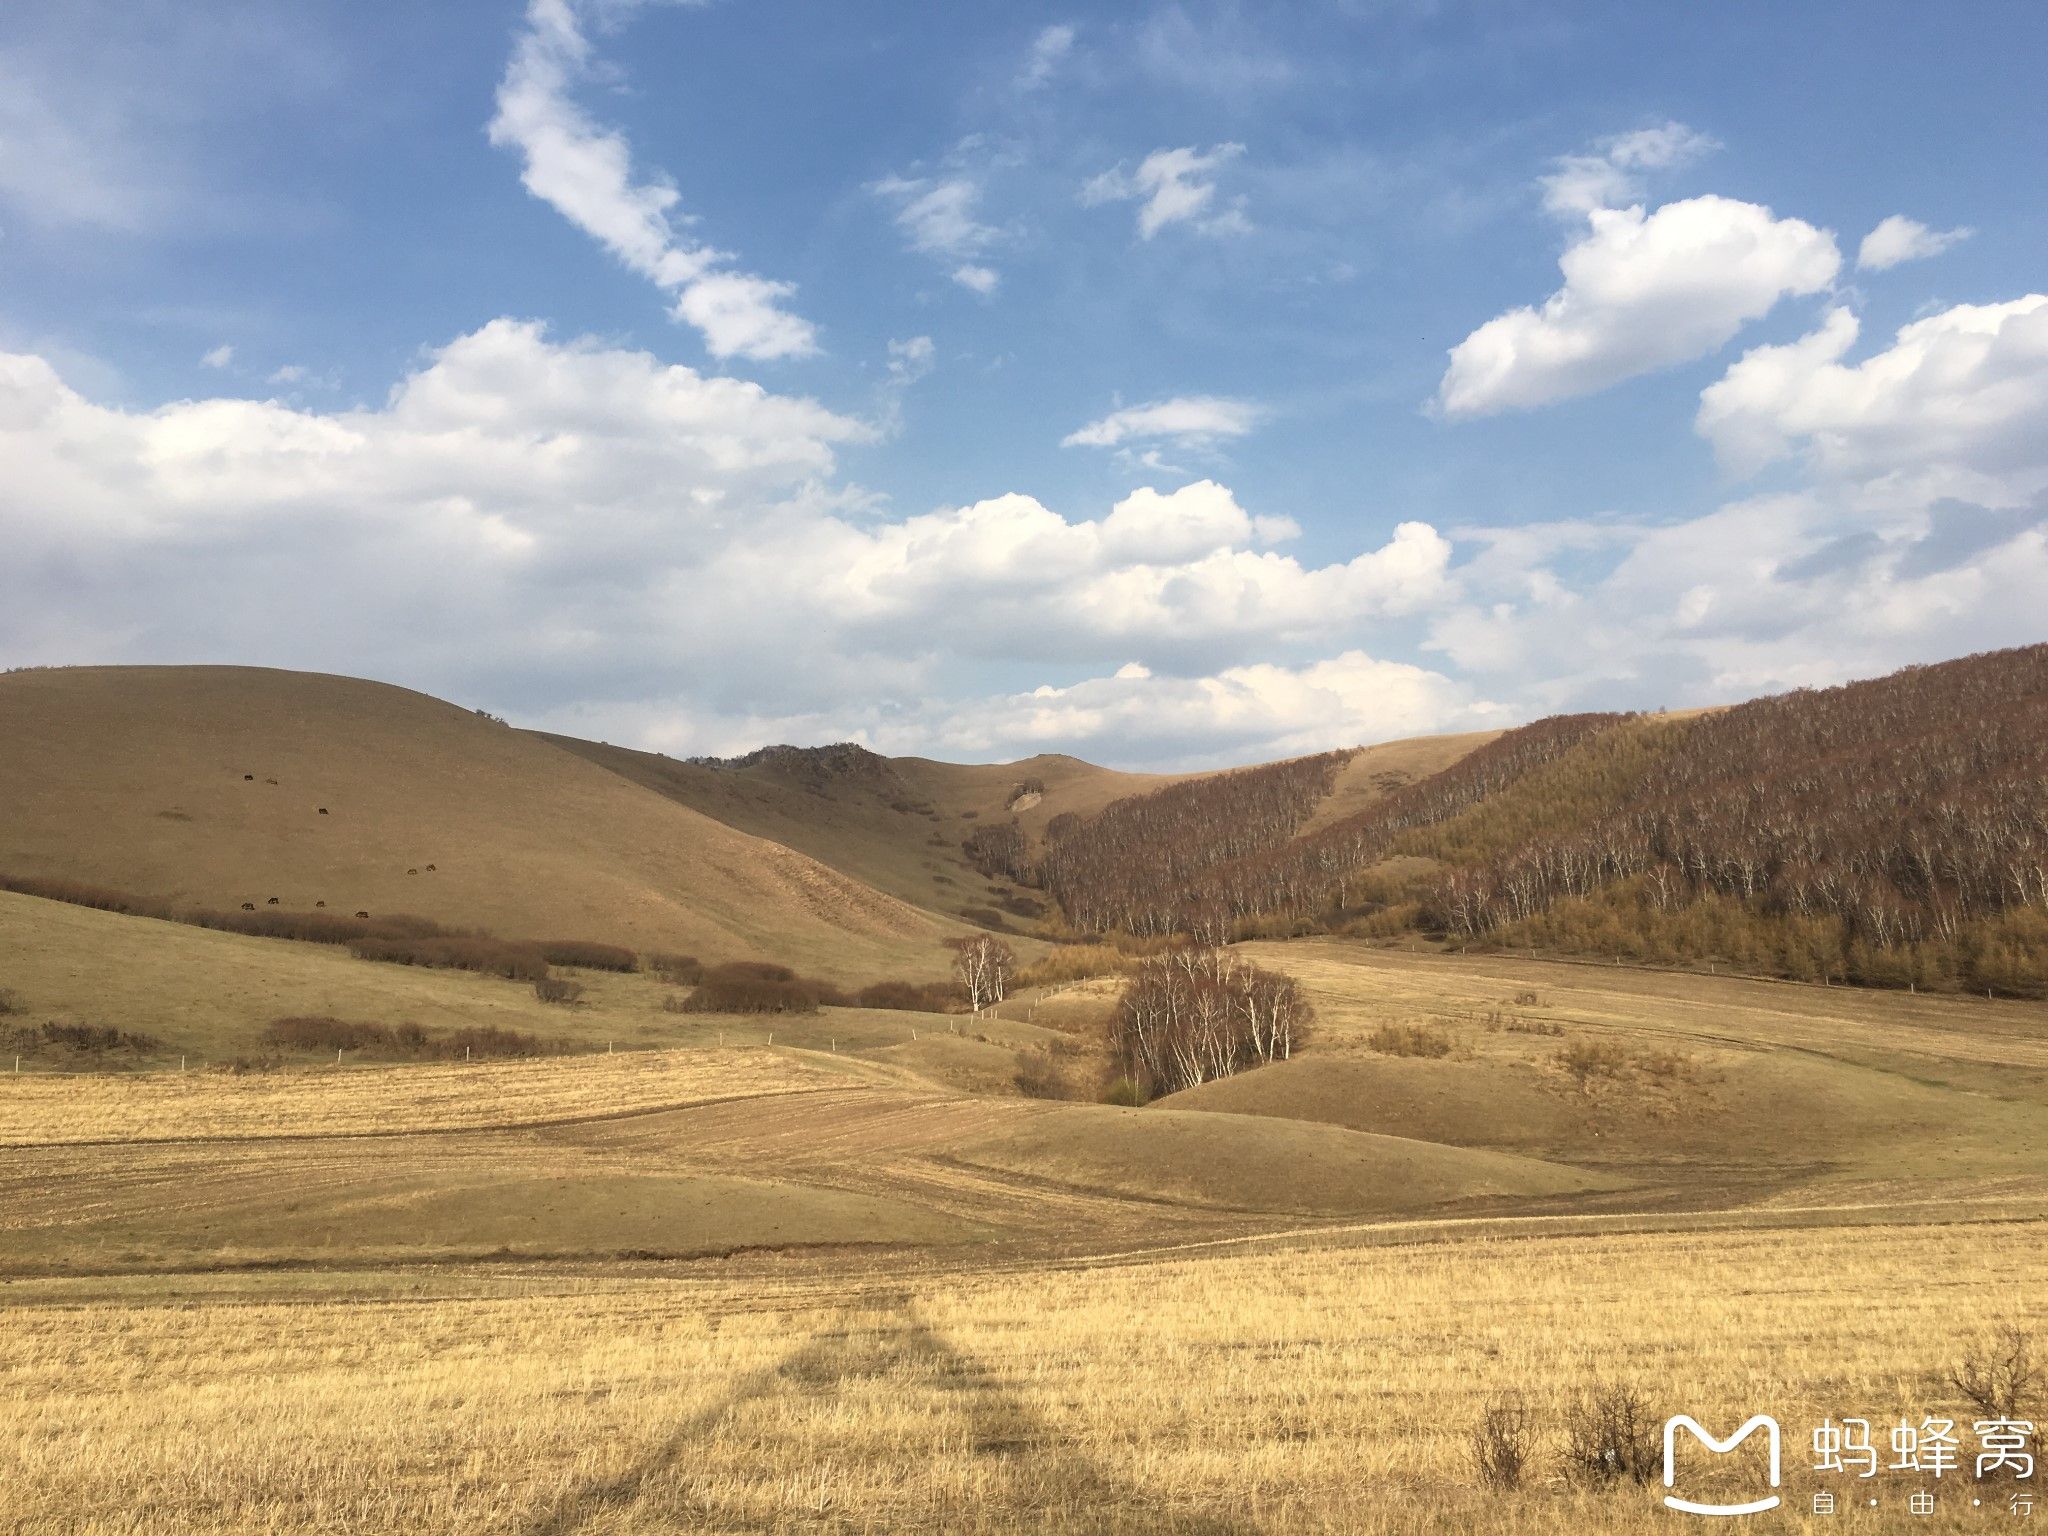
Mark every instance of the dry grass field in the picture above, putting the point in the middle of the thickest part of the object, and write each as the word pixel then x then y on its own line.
pixel 852 1282
pixel 1295 1387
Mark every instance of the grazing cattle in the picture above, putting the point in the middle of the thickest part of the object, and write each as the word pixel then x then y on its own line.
pixel 319 903
pixel 248 778
pixel 248 906
pixel 412 871
pixel 362 914
pixel 270 781
pixel 323 810
pixel 273 901
pixel 430 869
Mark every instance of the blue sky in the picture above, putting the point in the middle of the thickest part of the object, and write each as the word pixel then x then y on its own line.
pixel 1168 384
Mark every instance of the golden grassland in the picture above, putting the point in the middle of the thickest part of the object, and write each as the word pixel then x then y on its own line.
pixel 853 1283
pixel 49 1109
pixel 1308 1388
pixel 207 996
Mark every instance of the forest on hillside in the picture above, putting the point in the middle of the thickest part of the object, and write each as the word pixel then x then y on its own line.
pixel 1893 831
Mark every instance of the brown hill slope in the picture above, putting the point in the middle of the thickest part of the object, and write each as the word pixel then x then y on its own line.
pixel 895 823
pixel 207 786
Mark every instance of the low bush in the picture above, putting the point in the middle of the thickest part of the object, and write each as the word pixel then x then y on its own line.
pixel 1611 1435
pixel 557 989
pixel 2001 1377
pixel 79 893
pixel 1038 1076
pixel 718 993
pixel 588 955
pixel 1122 1091
pixel 323 1032
pixel 749 970
pixel 314 927
pixel 1500 1443
pixel 10 1002
pixel 489 1040
pixel 907 996
pixel 1409 1040
pixel 676 970
pixel 80 1039
pixel 1587 1059
pixel 468 952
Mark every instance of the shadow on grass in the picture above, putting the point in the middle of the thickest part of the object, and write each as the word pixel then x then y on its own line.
pixel 1018 1456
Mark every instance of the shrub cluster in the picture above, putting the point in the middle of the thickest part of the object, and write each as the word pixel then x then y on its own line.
pixel 321 1032
pixel 310 927
pixel 84 1039
pixel 907 996
pixel 753 986
pixel 676 970
pixel 557 989
pixel 588 955
pixel 461 952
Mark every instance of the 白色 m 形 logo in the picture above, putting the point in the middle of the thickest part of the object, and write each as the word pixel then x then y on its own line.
pixel 1772 1441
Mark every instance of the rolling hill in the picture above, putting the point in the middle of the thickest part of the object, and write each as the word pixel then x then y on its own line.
pixel 896 824
pixel 216 786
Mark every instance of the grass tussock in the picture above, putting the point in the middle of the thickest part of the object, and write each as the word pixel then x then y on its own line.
pixel 1409 1040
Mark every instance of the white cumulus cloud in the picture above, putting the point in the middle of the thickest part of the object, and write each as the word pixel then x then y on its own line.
pixel 605 540
pixel 1956 405
pixel 1641 292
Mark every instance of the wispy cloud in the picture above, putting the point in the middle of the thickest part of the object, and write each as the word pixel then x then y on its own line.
pixel 585 172
pixel 1048 50
pixel 1610 175
pixel 939 217
pixel 1195 419
pixel 1173 186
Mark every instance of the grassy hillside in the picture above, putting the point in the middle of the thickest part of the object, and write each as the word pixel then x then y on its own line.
pixel 896 824
pixel 215 786
pixel 207 997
